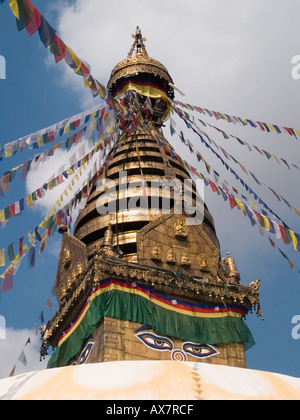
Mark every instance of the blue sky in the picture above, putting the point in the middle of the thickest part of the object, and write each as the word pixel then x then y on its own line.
pixel 234 59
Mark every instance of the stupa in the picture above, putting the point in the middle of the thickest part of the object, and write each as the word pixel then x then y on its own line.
pixel 142 277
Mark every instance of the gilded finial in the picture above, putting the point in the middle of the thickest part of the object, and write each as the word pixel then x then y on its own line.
pixel 107 246
pixel 232 267
pixel 139 44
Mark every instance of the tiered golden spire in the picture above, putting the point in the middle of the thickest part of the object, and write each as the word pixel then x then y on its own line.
pixel 138 43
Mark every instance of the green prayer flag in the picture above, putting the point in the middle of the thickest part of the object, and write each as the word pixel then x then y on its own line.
pixel 10 252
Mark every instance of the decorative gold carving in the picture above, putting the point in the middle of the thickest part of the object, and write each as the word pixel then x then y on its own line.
pixel 255 285
pixel 185 261
pixel 203 262
pixel 171 257
pixel 102 267
pixel 79 269
pixel 140 63
pixel 156 254
pixel 180 231
pixel 66 258
pixel 63 290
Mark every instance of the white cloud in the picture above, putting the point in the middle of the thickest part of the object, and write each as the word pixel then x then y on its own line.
pixel 11 349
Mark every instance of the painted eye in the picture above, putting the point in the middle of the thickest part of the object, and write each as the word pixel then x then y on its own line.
pixel 85 353
pixel 199 350
pixel 155 341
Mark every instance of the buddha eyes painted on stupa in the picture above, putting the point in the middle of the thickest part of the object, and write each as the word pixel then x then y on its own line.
pixel 161 343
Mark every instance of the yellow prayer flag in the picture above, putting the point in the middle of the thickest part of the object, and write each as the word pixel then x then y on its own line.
pixel 276 158
pixel 2 216
pixel 298 132
pixel 26 248
pixel 267 222
pixel 75 59
pixel 29 201
pixel 8 151
pixel 253 204
pixel 239 203
pixel 43 224
pixel 272 128
pixel 14 8
pixel 56 146
pixel 2 257
pixel 223 116
pixel 67 129
pixel 87 83
pixel 295 241
pixel 40 141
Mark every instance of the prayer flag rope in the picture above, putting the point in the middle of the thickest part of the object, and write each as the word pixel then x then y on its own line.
pixel 30 18
pixel 48 135
pixel 267 154
pixel 201 134
pixel 97 124
pixel 262 126
pixel 286 234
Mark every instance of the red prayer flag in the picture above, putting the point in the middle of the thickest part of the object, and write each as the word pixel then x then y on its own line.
pixel 12 210
pixel 285 237
pixel 231 201
pixel 213 186
pixel 35 21
pixel 261 126
pixel 216 115
pixel 21 253
pixel 58 48
pixel 288 131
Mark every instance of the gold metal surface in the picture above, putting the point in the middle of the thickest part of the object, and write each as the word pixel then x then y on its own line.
pixel 140 63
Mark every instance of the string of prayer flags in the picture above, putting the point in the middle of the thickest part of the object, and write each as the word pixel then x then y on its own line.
pixel 49 134
pixel 28 16
pixel 48 224
pixel 258 181
pixel 209 140
pixel 262 126
pixel 250 147
pixel 22 357
pixel 28 201
pixel 269 225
